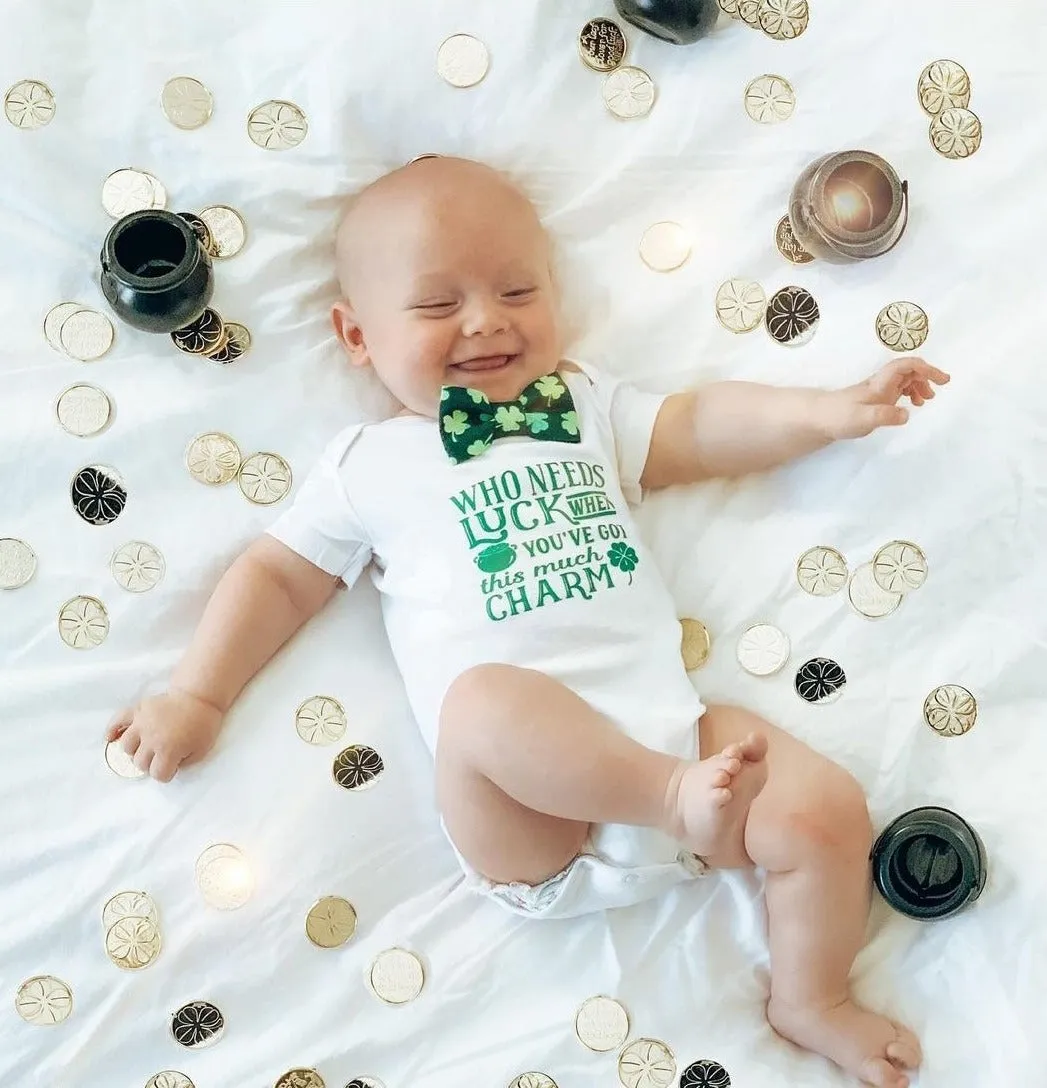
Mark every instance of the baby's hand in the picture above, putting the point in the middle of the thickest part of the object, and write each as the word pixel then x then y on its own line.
pixel 167 731
pixel 860 409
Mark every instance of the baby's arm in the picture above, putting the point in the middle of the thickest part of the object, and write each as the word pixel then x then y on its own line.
pixel 734 428
pixel 260 602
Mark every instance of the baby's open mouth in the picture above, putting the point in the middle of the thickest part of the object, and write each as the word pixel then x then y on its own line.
pixel 485 363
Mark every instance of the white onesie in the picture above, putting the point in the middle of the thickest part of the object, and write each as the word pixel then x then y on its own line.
pixel 526 555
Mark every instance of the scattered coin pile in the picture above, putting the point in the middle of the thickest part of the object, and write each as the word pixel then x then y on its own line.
pixel 628 92
pixel 215 459
pixel 782 20
pixel 132 930
pixel 78 331
pixel 944 91
pixel 790 316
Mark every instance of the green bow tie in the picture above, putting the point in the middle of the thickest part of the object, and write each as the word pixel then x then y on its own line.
pixel 470 422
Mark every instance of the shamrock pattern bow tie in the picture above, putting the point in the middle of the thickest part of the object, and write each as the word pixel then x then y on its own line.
pixel 470 421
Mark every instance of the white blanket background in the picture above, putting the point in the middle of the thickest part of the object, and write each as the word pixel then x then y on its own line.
pixel 965 480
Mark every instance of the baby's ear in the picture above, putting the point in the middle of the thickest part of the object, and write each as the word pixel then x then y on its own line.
pixel 350 334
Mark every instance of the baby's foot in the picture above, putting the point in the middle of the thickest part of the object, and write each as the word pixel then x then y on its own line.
pixel 871 1047
pixel 708 801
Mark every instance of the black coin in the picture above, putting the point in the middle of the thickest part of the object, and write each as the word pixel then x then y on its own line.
pixel 705 1074
pixel 202 335
pixel 792 316
pixel 197 1023
pixel 819 680
pixel 356 766
pixel 98 494
pixel 202 231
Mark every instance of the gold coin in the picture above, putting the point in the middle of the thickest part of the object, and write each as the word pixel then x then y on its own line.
pixel 602 45
pixel 44 1000
pixel 300 1078
pixel 665 246
pixel 868 598
pixel 629 93
pixel 788 244
pixel 900 567
pixel 331 922
pixel 821 571
pixel 128 190
pixel 763 649
pixel 86 335
pixel 320 720
pixel 213 458
pixel 202 335
pixel 133 943
pixel 54 319
pixel 956 133
pixel 729 8
pixel 277 125
pixel 129 905
pixel 530 1080
pixel 227 228
pixel 950 710
pixel 29 104
pixel 397 976
pixel 119 762
pixel 462 60
pixel 197 1024
pixel 217 349
pixel 792 316
pixel 83 410
pixel 237 343
pixel 740 305
pixel 646 1063
pixel 137 566
pixel 224 877
pixel 749 13
pixel 902 326
pixel 695 644
pixel 186 102
pixel 17 563
pixel 368 1082
pixel 83 623
pixel 264 478
pixel 169 1078
pixel 769 99
pixel 601 1024
pixel 783 19
pixel 943 84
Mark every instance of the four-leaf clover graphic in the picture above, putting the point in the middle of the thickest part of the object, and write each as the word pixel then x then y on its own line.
pixel 624 558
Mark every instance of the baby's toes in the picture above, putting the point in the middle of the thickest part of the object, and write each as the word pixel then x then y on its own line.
pixel 754 747
pixel 905 1050
pixel 880 1072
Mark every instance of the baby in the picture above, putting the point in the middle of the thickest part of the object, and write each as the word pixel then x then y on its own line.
pixel 576 768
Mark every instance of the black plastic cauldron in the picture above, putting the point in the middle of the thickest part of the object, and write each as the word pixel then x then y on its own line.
pixel 929 863
pixel 678 21
pixel 155 274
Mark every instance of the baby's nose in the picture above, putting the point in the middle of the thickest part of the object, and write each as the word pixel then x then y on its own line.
pixel 484 317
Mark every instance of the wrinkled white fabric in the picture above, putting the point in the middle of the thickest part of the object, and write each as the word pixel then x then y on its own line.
pixel 964 481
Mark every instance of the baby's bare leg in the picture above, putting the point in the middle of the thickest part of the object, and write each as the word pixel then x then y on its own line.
pixel 810 829
pixel 524 766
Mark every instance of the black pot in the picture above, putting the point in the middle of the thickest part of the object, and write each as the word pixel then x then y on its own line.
pixel 678 21
pixel 929 863
pixel 155 274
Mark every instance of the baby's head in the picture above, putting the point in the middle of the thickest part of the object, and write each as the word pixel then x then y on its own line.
pixel 446 280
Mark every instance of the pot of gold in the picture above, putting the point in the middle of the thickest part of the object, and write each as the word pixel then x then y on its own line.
pixel 849 206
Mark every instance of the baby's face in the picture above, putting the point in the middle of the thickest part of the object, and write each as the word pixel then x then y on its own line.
pixel 448 282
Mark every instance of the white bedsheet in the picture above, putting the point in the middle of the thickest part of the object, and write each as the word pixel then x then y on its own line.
pixel 964 480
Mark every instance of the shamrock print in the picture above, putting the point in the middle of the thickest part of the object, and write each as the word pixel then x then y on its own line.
pixel 481 445
pixel 569 423
pixel 477 397
pixel 624 558
pixel 550 386
pixel 509 417
pixel 537 422
pixel 456 423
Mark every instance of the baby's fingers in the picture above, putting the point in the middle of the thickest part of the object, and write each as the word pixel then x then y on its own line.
pixel 164 766
pixel 920 368
pixel 118 726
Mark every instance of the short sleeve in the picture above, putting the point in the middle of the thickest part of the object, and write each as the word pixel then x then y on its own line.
pixel 632 413
pixel 322 525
